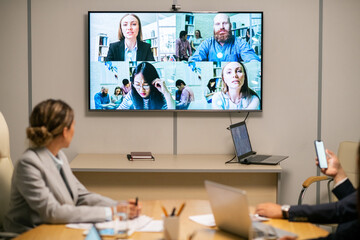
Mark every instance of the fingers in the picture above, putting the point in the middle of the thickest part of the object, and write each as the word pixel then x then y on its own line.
pixel 134 208
pixel 330 153
pixel 288 238
pixel 260 209
pixel 158 83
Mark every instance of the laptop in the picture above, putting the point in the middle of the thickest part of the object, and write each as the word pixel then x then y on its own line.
pixel 243 149
pixel 231 213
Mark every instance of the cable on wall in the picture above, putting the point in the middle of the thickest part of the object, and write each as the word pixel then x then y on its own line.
pixel 29 56
pixel 321 9
pixel 228 128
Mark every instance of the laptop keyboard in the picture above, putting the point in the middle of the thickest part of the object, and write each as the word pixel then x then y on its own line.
pixel 258 158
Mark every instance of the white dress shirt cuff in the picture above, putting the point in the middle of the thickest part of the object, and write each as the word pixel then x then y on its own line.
pixel 108 214
pixel 338 183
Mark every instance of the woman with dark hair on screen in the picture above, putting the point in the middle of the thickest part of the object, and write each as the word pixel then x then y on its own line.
pixel 130 46
pixel 117 98
pixel 210 90
pixel 235 92
pixel 43 188
pixel 148 91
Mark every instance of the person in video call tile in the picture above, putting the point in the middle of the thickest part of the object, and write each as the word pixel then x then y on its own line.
pixel 183 49
pixel 117 98
pixel 126 86
pixel 102 99
pixel 186 97
pixel 235 92
pixel 345 211
pixel 223 46
pixel 44 190
pixel 210 90
pixel 196 40
pixel 148 91
pixel 130 47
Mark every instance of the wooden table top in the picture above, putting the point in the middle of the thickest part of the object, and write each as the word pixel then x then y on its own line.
pixel 188 228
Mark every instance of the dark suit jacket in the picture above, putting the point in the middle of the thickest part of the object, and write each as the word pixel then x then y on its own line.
pixel 345 231
pixel 343 212
pixel 337 212
pixel 117 52
pixel 39 195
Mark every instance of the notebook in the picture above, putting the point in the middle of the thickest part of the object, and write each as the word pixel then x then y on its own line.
pixel 231 212
pixel 243 149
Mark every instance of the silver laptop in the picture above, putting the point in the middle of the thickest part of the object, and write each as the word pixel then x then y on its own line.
pixel 231 212
pixel 243 149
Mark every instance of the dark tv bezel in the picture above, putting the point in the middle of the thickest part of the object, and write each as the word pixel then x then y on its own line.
pixel 179 110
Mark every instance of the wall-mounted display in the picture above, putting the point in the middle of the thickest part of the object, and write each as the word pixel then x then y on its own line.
pixel 175 61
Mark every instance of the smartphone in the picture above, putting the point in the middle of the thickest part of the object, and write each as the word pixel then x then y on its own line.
pixel 320 152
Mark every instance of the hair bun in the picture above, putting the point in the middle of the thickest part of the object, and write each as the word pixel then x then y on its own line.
pixel 40 136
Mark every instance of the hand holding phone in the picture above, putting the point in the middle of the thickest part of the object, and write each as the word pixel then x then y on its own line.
pixel 321 155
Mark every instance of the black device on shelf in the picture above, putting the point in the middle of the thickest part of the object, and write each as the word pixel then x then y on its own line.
pixel 134 156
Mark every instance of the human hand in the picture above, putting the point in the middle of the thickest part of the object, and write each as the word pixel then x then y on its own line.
pixel 160 85
pixel 287 238
pixel 334 169
pixel 270 210
pixel 134 208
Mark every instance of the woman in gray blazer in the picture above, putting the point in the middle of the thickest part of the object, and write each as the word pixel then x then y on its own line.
pixel 44 190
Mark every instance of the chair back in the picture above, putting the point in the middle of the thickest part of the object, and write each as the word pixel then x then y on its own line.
pixel 6 168
pixel 347 154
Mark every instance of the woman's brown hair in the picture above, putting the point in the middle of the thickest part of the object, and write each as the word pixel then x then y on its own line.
pixel 48 120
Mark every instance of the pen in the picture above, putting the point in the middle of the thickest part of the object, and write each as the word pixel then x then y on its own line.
pixel 181 208
pixel 164 210
pixel 173 211
pixel 136 201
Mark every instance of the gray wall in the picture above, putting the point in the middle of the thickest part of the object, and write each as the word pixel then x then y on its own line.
pixel 287 125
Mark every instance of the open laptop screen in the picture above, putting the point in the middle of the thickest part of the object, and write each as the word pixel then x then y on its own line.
pixel 241 139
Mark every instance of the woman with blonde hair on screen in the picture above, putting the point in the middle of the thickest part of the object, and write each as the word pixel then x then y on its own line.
pixel 130 46
pixel 235 92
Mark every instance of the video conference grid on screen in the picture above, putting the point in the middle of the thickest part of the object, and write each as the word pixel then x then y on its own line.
pixel 175 61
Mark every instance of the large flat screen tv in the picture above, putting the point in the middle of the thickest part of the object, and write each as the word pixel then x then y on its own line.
pixel 175 61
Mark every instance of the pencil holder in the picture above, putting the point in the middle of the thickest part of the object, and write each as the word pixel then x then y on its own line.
pixel 171 227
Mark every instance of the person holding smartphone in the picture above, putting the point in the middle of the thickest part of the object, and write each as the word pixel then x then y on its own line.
pixel 343 212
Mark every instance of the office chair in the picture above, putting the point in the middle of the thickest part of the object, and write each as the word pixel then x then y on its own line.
pixel 6 171
pixel 347 155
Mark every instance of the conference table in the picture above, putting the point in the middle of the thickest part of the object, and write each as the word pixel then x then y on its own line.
pixel 189 230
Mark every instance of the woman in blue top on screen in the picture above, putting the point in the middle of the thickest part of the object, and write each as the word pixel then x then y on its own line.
pixel 148 91
pixel 130 47
pixel 196 40
pixel 117 98
pixel 235 92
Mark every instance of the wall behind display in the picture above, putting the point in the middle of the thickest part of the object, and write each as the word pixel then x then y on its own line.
pixel 288 124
